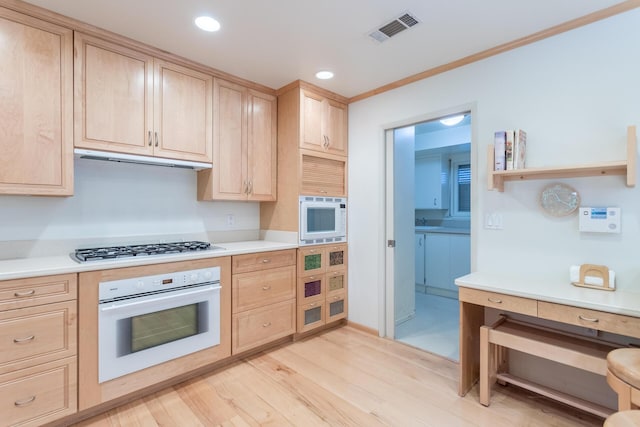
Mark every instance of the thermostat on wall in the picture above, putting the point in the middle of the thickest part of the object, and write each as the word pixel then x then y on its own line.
pixel 599 220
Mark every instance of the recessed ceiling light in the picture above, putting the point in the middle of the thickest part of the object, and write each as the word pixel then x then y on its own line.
pixel 324 75
pixel 207 23
pixel 453 120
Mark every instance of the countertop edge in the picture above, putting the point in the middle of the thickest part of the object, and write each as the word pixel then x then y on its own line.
pixel 63 264
pixel 559 292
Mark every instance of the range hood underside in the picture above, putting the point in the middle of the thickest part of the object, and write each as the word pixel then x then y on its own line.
pixel 144 160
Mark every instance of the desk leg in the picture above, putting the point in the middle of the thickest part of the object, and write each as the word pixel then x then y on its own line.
pixel 471 319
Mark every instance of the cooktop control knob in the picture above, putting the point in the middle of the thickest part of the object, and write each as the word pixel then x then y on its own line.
pixel 193 278
pixel 140 284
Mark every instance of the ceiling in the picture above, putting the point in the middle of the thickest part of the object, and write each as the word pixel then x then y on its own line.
pixel 277 42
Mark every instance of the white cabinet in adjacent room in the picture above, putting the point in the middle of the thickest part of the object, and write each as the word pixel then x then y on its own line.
pixel 432 182
pixel 447 257
pixel 420 278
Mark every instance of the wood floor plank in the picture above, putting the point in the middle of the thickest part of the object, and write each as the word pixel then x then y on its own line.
pixel 342 377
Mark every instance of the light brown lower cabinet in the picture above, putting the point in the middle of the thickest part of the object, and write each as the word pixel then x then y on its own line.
pixel 39 394
pixel 38 349
pixel 263 298
pixel 322 285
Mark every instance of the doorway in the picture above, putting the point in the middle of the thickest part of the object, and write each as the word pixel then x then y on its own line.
pixel 428 221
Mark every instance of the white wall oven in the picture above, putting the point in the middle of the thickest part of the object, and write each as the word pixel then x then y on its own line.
pixel 322 220
pixel 145 321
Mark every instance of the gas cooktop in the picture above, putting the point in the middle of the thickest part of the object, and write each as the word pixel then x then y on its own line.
pixel 111 252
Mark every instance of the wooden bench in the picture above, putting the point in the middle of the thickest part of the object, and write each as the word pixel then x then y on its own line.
pixel 562 347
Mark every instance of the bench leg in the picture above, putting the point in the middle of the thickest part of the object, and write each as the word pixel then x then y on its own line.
pixel 503 362
pixel 488 365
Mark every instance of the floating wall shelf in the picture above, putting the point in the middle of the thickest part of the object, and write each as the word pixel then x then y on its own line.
pixel 627 168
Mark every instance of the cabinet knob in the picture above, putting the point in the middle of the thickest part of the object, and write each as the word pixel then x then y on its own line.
pixel 266 288
pixel 266 325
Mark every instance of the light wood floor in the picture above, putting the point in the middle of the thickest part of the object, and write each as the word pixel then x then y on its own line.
pixel 342 377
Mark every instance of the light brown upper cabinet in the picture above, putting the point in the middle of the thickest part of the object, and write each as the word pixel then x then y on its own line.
pixel 130 102
pixel 36 106
pixel 323 124
pixel 244 145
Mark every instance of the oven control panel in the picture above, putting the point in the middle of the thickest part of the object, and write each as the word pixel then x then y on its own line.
pixel 140 285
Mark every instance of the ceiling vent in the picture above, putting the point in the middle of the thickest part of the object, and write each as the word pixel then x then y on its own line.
pixel 395 26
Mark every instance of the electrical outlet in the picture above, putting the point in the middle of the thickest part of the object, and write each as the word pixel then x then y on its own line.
pixel 230 220
pixel 493 221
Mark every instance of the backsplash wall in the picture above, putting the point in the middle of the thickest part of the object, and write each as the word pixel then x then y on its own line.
pixel 122 201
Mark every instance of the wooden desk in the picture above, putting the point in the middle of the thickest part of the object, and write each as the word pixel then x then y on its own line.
pixel 616 312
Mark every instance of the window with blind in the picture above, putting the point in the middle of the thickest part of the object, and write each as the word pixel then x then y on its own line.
pixel 461 200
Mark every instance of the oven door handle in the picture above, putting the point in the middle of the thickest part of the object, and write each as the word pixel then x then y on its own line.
pixel 165 297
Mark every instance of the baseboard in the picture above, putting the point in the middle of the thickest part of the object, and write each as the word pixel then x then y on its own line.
pixel 363 328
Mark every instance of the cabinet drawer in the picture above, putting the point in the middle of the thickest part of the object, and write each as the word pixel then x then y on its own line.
pixel 336 257
pixel 336 283
pixel 336 307
pixel 311 315
pixel 262 261
pixel 38 290
pixel 263 325
pixel 594 319
pixel 311 288
pixel 311 261
pixel 260 288
pixel 37 334
pixel 37 395
pixel 499 301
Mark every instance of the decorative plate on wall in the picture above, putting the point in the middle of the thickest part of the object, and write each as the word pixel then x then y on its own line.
pixel 559 199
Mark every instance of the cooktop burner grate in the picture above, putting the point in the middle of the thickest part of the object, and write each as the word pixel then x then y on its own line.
pixel 112 252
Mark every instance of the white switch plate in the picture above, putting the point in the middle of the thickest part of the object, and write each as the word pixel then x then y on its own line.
pixel 493 221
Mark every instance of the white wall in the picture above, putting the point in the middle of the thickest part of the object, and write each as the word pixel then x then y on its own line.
pixel 575 94
pixel 114 200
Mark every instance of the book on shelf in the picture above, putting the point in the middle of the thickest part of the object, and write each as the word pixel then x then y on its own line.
pixel 508 150
pixel 519 149
pixel 499 150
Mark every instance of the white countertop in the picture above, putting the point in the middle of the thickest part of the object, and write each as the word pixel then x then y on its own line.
pixel 440 229
pixel 558 291
pixel 44 266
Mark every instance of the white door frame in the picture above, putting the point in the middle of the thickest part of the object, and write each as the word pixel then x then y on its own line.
pixel 386 291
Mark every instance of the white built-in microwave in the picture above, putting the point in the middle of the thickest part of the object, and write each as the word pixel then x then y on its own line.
pixel 322 220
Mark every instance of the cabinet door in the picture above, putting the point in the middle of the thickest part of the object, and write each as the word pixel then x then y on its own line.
pixel 335 127
pixel 336 307
pixel 460 257
pixel 183 102
pixel 311 121
pixel 311 316
pixel 420 257
pixel 323 174
pixel 113 97
pixel 262 146
pixel 431 183
pixel 436 260
pixel 36 106
pixel 230 142
pixel 311 288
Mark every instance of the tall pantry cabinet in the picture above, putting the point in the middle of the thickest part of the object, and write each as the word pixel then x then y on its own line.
pixel 312 161
pixel 36 103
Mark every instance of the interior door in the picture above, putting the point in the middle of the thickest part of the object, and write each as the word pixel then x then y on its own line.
pixel 400 280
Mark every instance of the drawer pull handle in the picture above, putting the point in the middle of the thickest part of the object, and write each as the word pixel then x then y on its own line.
pixel 495 300
pixel 24 340
pixel 266 261
pixel 23 402
pixel 336 298
pixel 266 288
pixel 266 325
pixel 24 294
pixel 312 304
pixel 588 319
